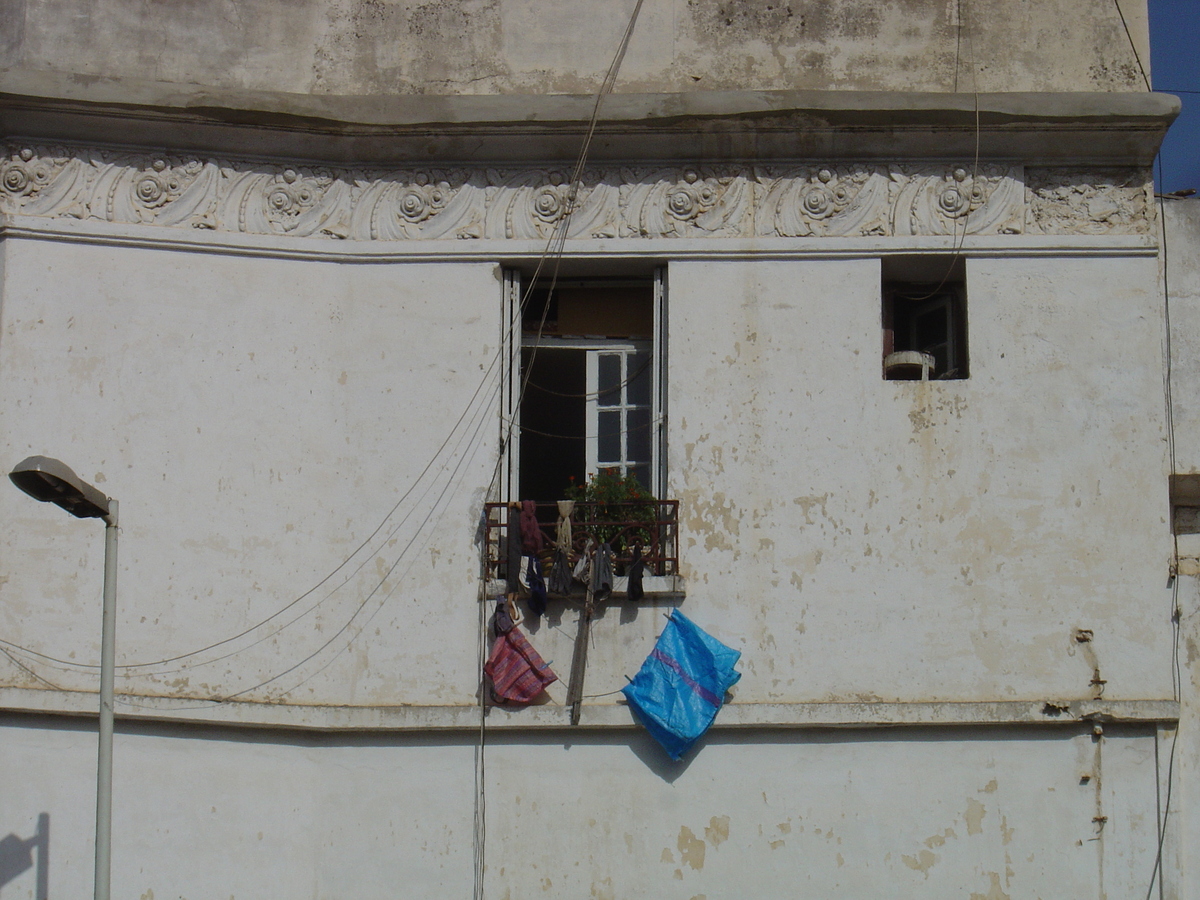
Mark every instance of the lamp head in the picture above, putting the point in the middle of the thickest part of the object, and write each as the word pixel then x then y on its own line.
pixel 52 481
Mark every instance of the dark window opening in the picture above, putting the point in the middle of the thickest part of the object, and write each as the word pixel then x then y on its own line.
pixel 587 368
pixel 1185 503
pixel 552 422
pixel 924 321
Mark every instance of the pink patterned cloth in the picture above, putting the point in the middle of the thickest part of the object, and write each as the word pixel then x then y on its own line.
pixel 517 672
pixel 532 540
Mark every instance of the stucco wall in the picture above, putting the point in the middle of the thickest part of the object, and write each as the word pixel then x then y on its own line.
pixel 933 813
pixel 380 47
pixel 1183 279
pixel 830 517
pixel 1182 231
pixel 259 417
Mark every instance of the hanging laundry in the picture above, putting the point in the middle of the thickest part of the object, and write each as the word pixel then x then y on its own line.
pixel 565 509
pixel 518 674
pixel 532 539
pixel 512 572
pixel 636 569
pixel 681 685
pixel 560 573
pixel 537 586
pixel 583 569
pixel 602 573
pixel 503 620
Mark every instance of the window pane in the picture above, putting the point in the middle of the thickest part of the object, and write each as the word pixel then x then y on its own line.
pixel 608 438
pixel 932 327
pixel 642 474
pixel 639 379
pixel 639 435
pixel 608 385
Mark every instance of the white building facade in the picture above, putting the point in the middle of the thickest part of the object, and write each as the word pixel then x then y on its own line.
pixel 259 278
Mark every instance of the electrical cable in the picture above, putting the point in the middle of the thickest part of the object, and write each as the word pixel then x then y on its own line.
pixel 558 237
pixel 1176 612
pixel 464 460
pixel 1133 46
pixel 71 665
pixel 965 215
pixel 596 395
pixel 632 429
pixel 453 481
pixel 32 674
pixel 479 839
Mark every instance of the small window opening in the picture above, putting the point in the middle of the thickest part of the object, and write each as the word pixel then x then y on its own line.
pixel 924 319
pixel 1185 504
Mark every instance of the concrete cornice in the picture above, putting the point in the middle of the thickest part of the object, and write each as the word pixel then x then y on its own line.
pixel 1076 128
pixel 595 716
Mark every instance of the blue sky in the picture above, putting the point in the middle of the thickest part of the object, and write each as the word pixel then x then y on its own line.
pixel 1175 67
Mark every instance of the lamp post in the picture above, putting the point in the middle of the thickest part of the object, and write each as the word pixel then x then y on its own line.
pixel 51 480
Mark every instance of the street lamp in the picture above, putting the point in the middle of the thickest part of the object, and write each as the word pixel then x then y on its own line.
pixel 52 481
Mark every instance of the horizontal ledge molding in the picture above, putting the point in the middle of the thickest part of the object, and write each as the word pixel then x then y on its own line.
pixel 518 251
pixel 598 716
pixel 887 124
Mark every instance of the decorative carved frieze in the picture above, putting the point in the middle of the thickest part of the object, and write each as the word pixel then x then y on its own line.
pixel 726 201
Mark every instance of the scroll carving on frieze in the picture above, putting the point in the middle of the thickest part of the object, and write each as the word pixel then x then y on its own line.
pixel 538 203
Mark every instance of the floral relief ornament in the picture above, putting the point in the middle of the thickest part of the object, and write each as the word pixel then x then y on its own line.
pixel 735 200
pixel 24 174
pixel 823 201
pixel 684 203
pixel 975 201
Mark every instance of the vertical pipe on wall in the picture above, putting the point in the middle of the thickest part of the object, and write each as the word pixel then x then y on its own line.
pixel 107 670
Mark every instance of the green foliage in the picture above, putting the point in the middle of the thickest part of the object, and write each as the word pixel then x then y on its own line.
pixel 618 499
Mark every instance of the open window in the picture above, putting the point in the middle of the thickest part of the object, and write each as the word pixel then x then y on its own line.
pixel 586 384
pixel 924 318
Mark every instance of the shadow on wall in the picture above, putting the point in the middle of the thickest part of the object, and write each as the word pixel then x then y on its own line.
pixel 16 857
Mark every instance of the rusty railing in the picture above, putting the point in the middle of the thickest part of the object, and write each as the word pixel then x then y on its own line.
pixel 651 524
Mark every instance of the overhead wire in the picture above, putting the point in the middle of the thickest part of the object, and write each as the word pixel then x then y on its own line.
pixel 557 245
pixel 1176 612
pixel 1137 57
pixel 960 241
pixel 630 429
pixel 72 665
pixel 595 395
pixel 463 458
pixel 557 239
pixel 554 248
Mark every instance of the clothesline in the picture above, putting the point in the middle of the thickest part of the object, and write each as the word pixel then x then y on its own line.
pixel 590 437
pixel 597 394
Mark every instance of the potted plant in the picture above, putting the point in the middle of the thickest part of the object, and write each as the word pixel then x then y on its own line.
pixel 617 503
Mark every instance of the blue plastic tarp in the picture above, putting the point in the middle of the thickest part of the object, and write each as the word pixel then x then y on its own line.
pixel 682 684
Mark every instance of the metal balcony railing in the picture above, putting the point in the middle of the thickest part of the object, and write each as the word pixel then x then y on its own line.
pixel 651 524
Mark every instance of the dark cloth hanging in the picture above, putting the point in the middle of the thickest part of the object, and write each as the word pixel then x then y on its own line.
pixel 512 573
pixel 532 539
pixel 636 568
pixel 602 573
pixel 560 573
pixel 502 622
pixel 537 586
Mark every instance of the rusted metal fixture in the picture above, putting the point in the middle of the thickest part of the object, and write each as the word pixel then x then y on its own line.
pixel 652 524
